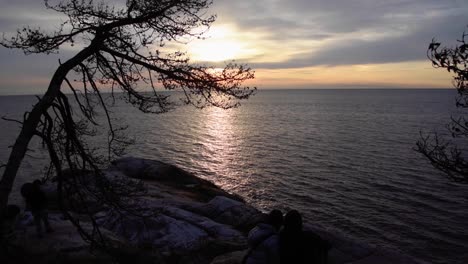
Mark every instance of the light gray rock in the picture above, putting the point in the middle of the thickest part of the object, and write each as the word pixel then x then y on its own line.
pixel 230 212
pixel 173 231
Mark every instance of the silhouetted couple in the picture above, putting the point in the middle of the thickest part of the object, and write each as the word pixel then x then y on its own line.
pixel 36 202
pixel 269 243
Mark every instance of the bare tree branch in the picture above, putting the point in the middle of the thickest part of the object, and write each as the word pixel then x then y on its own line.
pixel 124 51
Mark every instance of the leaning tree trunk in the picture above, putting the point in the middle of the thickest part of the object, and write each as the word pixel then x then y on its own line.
pixel 32 120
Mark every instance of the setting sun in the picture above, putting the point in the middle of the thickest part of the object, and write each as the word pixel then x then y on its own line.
pixel 222 43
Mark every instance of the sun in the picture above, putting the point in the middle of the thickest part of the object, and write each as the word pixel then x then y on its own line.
pixel 215 51
pixel 222 43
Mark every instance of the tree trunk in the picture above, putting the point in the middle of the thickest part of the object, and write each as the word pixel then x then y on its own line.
pixel 30 123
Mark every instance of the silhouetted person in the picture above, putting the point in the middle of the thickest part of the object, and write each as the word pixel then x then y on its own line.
pixel 36 202
pixel 264 241
pixel 298 246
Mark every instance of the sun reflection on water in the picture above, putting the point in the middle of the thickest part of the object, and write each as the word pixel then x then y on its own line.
pixel 222 155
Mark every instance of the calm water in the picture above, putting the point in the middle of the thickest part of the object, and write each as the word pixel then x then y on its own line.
pixel 344 158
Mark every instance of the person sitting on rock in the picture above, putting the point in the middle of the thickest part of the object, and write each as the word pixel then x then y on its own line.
pixel 298 246
pixel 263 240
pixel 36 202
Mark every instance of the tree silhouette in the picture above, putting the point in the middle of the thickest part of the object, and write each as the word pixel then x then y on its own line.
pixel 124 49
pixel 450 156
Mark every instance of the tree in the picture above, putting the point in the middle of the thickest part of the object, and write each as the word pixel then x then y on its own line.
pixel 123 50
pixel 450 156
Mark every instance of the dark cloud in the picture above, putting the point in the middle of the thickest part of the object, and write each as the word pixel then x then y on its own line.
pixel 406 28
pixel 409 47
pixel 410 26
pixel 348 16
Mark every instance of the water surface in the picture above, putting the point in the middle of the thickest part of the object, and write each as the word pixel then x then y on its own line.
pixel 344 158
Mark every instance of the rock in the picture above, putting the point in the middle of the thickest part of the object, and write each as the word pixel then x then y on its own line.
pixel 235 257
pixel 84 190
pixel 152 170
pixel 231 212
pixel 183 219
pixel 63 244
pixel 176 232
pixel 186 183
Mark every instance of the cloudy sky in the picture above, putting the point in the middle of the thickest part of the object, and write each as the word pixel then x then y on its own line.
pixel 289 43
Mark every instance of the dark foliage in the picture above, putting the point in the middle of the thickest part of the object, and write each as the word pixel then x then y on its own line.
pixel 450 156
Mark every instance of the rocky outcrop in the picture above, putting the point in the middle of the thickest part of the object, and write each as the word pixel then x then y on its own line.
pixel 176 232
pixel 64 244
pixel 229 212
pixel 186 220
pixel 194 220
pixel 159 173
pixel 235 257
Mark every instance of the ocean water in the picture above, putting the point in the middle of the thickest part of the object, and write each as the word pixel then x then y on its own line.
pixel 344 158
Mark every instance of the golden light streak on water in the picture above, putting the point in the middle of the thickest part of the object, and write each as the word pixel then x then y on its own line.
pixel 222 151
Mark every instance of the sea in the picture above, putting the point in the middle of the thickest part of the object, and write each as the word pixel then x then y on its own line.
pixel 344 158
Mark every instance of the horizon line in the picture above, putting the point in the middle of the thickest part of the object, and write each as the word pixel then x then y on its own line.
pixel 273 89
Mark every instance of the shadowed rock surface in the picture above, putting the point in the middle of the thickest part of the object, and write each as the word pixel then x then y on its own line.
pixel 190 220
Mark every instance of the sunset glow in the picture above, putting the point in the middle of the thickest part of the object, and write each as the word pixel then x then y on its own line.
pixel 289 44
pixel 222 43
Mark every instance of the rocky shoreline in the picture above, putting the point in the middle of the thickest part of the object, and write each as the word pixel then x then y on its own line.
pixel 195 222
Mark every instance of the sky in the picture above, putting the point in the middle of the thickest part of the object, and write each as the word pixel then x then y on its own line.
pixel 289 43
